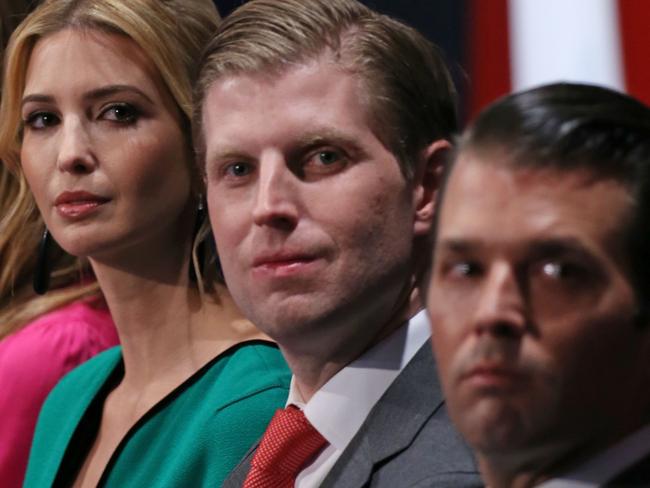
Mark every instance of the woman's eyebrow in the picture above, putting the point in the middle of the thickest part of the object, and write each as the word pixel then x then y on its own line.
pixel 108 90
pixel 36 97
pixel 98 93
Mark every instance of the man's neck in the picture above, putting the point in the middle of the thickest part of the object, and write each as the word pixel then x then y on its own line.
pixel 312 371
pixel 521 470
pixel 529 468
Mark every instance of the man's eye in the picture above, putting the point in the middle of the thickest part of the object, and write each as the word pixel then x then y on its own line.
pixel 462 269
pixel 328 157
pixel 121 112
pixel 560 270
pixel 41 120
pixel 238 169
pixel 322 163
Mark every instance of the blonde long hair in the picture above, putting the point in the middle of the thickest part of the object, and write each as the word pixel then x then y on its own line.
pixel 172 33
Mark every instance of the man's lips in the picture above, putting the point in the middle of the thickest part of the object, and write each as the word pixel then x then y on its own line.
pixel 283 263
pixel 281 259
pixel 493 375
pixel 77 204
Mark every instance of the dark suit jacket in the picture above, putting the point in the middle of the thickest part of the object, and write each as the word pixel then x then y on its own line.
pixel 406 441
pixel 637 475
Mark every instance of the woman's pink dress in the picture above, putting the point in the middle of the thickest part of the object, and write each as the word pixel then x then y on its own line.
pixel 32 361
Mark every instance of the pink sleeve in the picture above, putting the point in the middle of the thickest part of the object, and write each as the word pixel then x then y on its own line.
pixel 32 361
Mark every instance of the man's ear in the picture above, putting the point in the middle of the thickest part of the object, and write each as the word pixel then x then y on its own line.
pixel 426 182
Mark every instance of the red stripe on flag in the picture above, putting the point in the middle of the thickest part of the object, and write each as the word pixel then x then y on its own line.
pixel 635 42
pixel 489 52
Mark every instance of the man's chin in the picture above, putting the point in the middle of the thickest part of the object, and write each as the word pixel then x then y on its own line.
pixel 292 322
pixel 494 427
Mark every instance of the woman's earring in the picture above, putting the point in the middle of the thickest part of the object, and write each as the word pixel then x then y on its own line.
pixel 200 246
pixel 217 263
pixel 42 271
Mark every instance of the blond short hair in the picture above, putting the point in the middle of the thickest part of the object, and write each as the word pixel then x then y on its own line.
pixel 409 92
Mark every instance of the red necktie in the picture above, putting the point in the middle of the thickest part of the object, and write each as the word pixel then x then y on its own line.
pixel 288 443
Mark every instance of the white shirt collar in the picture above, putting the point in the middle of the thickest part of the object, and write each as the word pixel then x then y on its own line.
pixel 606 465
pixel 339 408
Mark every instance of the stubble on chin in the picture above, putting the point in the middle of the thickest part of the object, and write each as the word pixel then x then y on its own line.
pixel 499 421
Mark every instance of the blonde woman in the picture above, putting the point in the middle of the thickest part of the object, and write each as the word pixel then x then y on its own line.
pixel 41 337
pixel 95 116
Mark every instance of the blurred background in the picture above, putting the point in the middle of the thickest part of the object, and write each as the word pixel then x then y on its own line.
pixel 495 46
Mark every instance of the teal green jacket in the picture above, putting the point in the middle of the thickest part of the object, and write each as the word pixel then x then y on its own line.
pixel 191 438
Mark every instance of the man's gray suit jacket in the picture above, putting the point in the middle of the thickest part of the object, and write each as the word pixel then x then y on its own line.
pixel 637 475
pixel 407 441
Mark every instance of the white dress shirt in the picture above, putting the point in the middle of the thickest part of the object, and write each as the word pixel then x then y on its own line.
pixel 607 465
pixel 339 408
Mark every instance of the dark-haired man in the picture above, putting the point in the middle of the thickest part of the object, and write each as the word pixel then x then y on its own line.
pixel 323 126
pixel 539 290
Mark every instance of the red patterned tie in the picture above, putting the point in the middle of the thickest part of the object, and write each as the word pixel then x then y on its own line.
pixel 288 443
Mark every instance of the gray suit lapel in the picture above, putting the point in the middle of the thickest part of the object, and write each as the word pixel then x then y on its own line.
pixel 392 424
pixel 237 476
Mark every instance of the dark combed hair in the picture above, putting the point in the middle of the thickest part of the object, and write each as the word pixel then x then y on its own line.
pixel 568 126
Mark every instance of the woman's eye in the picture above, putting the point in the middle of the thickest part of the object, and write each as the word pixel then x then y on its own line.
pixel 121 112
pixel 41 120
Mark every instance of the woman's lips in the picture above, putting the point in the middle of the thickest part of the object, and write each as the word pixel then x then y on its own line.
pixel 78 204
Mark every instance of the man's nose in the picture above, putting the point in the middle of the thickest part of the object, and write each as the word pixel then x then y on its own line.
pixel 276 201
pixel 75 154
pixel 501 309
